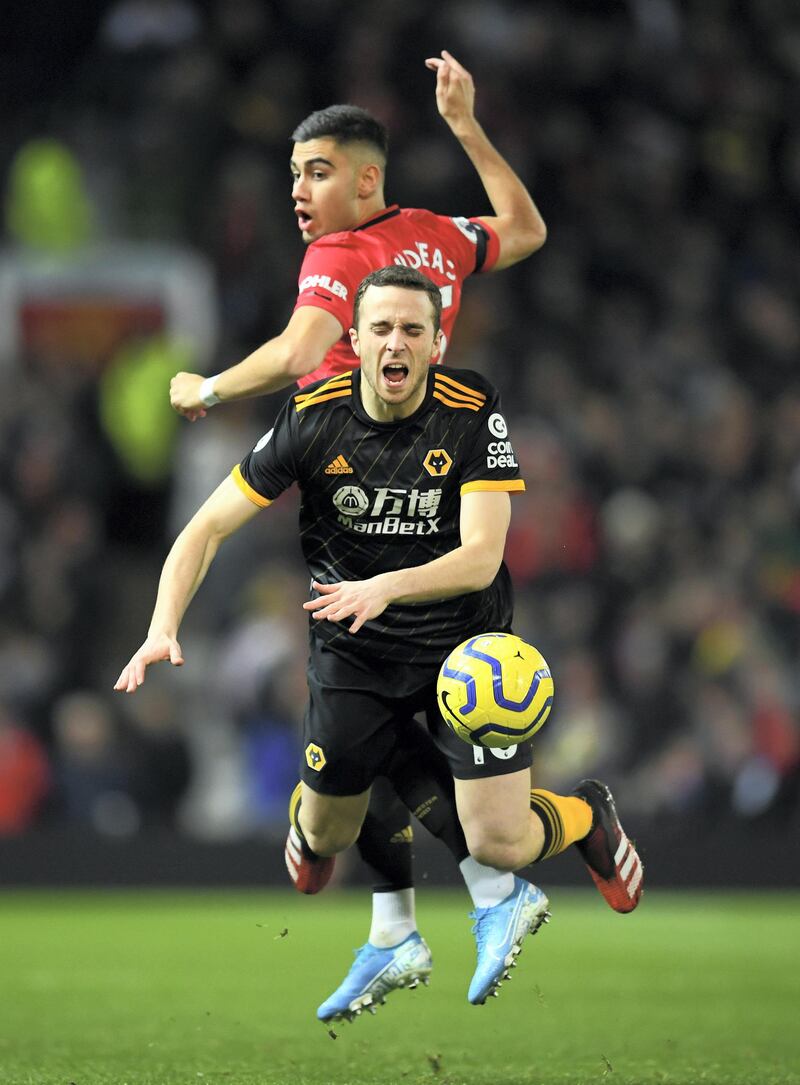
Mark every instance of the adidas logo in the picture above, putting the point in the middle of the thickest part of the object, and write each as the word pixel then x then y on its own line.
pixel 339 466
pixel 630 870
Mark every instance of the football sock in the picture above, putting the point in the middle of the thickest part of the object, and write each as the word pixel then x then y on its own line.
pixel 486 885
pixel 294 818
pixel 564 818
pixel 384 842
pixel 393 918
pixel 421 777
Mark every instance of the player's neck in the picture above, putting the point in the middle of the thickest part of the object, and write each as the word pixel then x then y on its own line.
pixel 370 208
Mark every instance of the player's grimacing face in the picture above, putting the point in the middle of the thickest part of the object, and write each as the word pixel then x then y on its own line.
pixel 395 342
pixel 324 188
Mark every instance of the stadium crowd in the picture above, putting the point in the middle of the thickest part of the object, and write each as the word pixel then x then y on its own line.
pixel 648 358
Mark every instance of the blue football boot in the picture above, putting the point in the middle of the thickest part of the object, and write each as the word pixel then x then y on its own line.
pixel 374 973
pixel 499 932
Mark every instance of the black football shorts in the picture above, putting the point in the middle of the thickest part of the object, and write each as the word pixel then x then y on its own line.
pixel 359 712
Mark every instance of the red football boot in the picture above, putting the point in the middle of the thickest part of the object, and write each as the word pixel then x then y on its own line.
pixel 612 860
pixel 308 872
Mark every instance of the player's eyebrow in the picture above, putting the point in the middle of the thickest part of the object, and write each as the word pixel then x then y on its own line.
pixel 318 161
pixel 411 326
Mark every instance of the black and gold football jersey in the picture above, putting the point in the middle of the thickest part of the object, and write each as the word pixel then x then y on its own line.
pixel 382 496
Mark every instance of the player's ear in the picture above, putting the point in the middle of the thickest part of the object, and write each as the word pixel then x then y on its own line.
pixel 370 180
pixel 354 342
pixel 437 342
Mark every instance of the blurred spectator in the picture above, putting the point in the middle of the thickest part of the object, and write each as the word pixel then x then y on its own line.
pixel 93 775
pixel 157 755
pixel 46 205
pixel 24 775
pixel 131 25
pixel 140 425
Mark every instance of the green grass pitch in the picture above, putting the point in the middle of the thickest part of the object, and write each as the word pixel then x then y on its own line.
pixel 221 989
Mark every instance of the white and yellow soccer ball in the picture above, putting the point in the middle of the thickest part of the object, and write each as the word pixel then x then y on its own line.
pixel 495 690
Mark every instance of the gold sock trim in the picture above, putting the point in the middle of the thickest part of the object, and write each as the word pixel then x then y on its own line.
pixel 294 808
pixel 546 808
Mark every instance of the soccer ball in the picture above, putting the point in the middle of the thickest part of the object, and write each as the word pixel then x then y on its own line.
pixel 495 690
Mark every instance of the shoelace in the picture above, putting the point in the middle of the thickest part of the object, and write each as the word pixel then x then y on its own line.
pixel 478 927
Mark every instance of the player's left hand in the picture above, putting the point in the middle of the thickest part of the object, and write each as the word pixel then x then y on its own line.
pixel 358 599
pixel 455 90
pixel 184 395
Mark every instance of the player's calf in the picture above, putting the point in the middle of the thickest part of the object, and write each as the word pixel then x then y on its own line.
pixel 309 872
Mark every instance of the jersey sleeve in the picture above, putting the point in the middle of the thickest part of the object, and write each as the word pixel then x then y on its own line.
pixel 270 468
pixel 491 461
pixel 480 248
pixel 329 277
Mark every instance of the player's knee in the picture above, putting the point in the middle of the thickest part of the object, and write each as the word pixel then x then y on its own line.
pixel 498 849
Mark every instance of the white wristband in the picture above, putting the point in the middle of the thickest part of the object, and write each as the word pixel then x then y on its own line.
pixel 207 397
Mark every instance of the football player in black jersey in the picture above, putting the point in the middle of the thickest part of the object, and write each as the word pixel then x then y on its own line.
pixel 406 561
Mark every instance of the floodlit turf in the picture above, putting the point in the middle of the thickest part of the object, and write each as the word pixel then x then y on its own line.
pixel 221 989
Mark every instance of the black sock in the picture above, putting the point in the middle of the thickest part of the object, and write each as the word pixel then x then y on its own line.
pixel 421 776
pixel 384 842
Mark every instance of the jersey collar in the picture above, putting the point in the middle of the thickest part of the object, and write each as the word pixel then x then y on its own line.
pixel 382 216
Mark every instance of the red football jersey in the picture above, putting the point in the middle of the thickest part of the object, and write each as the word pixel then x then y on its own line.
pixel 447 250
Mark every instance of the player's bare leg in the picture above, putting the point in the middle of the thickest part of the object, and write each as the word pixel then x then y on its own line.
pixel 502 831
pixel 330 824
pixel 495 813
pixel 310 873
pixel 320 827
pixel 508 824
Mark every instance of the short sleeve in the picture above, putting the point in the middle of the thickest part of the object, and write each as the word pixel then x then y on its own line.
pixel 270 468
pixel 491 461
pixel 483 247
pixel 329 277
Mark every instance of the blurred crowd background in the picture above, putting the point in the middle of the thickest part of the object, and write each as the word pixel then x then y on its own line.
pixel 648 357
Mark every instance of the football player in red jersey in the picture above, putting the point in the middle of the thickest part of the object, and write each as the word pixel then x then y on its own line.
pixel 338 165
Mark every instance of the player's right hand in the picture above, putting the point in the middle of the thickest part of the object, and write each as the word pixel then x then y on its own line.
pixel 455 90
pixel 154 650
pixel 360 600
pixel 184 395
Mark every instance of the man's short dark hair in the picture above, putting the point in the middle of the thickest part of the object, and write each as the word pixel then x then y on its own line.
pixel 344 124
pixel 408 278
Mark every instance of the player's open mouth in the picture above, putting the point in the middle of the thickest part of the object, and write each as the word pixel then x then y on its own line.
pixel 303 220
pixel 395 374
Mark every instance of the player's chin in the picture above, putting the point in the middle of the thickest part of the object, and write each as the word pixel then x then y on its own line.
pixel 311 232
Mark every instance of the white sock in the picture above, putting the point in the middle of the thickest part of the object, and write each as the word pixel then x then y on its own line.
pixel 393 918
pixel 486 885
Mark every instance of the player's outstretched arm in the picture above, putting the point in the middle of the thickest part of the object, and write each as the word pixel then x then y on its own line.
pixel 472 566
pixel 517 221
pixel 226 510
pixel 279 362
